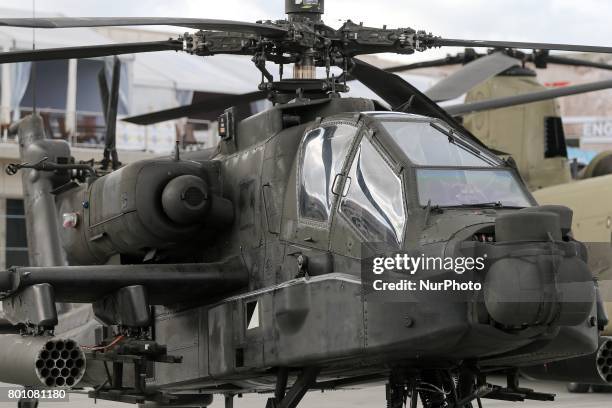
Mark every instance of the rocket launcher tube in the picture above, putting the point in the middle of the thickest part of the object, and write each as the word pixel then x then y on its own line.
pixel 40 361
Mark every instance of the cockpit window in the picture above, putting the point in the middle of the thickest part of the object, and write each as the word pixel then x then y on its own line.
pixel 464 187
pixel 426 145
pixel 323 153
pixel 374 202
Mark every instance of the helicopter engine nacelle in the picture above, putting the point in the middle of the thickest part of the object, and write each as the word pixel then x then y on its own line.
pixel 142 208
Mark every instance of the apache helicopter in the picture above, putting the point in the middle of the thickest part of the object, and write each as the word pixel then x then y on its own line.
pixel 495 83
pixel 238 269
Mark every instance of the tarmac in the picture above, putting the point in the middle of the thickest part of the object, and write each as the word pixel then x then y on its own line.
pixel 369 397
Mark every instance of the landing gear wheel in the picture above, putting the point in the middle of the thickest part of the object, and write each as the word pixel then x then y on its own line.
pixel 27 403
pixel 578 388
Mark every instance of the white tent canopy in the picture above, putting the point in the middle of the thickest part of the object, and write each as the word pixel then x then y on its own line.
pixel 167 79
pixel 217 74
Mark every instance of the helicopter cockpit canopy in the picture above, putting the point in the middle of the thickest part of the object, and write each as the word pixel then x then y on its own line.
pixel 411 161
pixel 450 169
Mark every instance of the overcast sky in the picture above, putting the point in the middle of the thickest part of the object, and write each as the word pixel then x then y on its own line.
pixel 560 21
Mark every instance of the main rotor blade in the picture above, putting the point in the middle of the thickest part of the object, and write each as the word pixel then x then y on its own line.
pixel 516 44
pixel 211 104
pixel 497 103
pixel 554 59
pixel 470 75
pixel 390 87
pixel 90 51
pixel 197 23
pixel 401 95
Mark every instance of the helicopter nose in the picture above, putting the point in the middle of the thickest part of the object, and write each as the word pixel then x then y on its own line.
pixel 535 276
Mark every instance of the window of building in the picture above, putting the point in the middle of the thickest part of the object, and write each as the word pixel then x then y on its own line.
pixel 374 202
pixel 16 237
pixel 323 154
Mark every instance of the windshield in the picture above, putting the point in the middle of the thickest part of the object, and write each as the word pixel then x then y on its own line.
pixel 457 187
pixel 426 145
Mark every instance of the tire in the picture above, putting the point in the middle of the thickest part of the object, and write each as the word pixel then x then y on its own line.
pixel 578 388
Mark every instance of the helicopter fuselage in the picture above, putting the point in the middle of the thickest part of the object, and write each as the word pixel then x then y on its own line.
pixel 255 256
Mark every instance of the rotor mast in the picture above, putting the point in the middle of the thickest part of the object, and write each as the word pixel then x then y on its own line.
pixel 307 11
